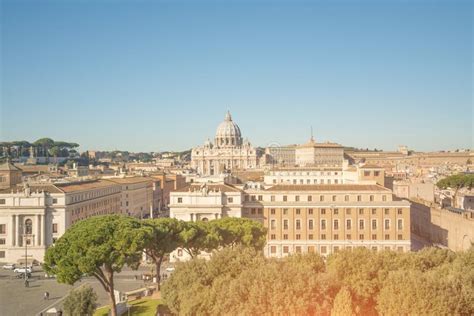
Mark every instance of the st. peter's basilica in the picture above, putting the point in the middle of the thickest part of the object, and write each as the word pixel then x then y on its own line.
pixel 227 152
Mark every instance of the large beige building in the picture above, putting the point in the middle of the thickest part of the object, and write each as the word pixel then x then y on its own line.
pixel 137 195
pixel 228 151
pixel 326 218
pixel 305 217
pixel 319 154
pixel 33 215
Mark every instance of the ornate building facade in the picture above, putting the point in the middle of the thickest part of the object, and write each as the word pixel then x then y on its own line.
pixel 228 151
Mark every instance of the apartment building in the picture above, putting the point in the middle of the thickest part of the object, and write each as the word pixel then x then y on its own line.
pixel 327 218
pixel 321 218
pixel 136 195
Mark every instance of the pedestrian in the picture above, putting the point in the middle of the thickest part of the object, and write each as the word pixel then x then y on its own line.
pixel 27 284
pixel 46 295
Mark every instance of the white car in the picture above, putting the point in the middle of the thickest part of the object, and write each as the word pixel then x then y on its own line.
pixel 9 266
pixel 170 269
pixel 22 270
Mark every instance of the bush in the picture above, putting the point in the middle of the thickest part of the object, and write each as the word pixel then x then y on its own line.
pixel 80 302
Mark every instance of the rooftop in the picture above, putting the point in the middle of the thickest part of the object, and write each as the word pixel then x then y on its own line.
pixel 130 180
pixel 83 185
pixel 7 166
pixel 210 186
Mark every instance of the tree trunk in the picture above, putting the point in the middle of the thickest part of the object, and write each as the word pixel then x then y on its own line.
pixel 113 308
pixel 454 197
pixel 110 276
pixel 158 271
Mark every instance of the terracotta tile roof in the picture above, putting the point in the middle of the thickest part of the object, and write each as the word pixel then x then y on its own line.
pixel 249 175
pixel 211 187
pixel 34 168
pixel 312 143
pixel 83 185
pixel 47 187
pixel 368 166
pixel 8 167
pixel 130 180
pixel 327 187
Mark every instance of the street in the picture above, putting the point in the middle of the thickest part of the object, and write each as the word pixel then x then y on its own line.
pixel 18 300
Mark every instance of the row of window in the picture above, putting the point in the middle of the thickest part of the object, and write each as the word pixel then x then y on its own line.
pixel 367 173
pixel 308 181
pixel 321 198
pixel 325 249
pixel 335 237
pixel 308 173
pixel 93 194
pixel 92 206
pixel 335 211
pixel 335 226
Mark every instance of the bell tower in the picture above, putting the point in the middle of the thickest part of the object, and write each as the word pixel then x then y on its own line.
pixel 9 175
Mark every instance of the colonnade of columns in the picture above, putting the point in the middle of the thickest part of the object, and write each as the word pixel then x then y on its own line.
pixel 18 230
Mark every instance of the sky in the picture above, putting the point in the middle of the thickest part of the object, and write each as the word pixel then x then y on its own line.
pixel 160 75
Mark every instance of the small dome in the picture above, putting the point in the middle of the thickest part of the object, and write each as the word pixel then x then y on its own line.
pixel 228 133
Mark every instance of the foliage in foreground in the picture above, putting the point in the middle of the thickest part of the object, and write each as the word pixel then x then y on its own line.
pixel 81 301
pixel 241 281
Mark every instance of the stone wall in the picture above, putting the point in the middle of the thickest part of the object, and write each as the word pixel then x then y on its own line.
pixel 440 226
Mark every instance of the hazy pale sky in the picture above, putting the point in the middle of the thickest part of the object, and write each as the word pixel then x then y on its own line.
pixel 160 75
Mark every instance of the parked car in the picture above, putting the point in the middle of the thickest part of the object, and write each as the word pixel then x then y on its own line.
pixel 9 266
pixel 170 269
pixel 22 270
pixel 22 275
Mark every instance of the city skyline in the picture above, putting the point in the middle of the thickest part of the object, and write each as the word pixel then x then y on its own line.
pixel 160 76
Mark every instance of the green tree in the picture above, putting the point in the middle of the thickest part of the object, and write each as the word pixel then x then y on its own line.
pixel 162 236
pixel 456 182
pixel 21 146
pixel 198 236
pixel 240 231
pixel 80 302
pixel 45 144
pixel 6 148
pixel 342 305
pixel 411 292
pixel 98 246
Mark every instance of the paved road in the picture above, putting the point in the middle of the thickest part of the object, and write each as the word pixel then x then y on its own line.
pixel 17 300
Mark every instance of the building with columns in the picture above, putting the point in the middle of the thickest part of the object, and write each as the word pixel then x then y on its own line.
pixel 206 201
pixel 228 151
pixel 33 216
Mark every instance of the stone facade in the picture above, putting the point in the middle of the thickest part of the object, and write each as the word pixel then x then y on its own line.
pixel 33 217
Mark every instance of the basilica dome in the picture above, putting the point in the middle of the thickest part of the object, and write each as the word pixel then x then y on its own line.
pixel 228 133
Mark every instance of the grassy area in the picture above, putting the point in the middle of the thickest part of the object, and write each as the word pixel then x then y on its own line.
pixel 143 307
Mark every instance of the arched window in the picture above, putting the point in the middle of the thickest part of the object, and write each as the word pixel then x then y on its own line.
pixel 28 227
pixel 204 219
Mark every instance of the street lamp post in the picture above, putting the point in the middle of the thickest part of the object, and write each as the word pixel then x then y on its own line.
pixel 26 260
